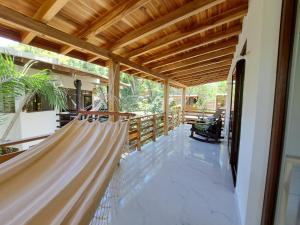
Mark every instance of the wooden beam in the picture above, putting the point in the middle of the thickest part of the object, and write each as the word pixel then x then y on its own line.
pixel 198 75
pixel 206 81
pixel 209 39
pixel 114 89
pixel 166 106
pixel 194 53
pixel 44 14
pixel 202 58
pixel 27 23
pixel 213 70
pixel 202 77
pixel 183 103
pixel 187 10
pixel 200 65
pixel 107 20
pixel 203 69
pixel 211 23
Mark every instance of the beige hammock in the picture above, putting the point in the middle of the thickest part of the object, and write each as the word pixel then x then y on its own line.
pixel 62 179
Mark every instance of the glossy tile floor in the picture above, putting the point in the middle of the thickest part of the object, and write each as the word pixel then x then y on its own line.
pixel 176 180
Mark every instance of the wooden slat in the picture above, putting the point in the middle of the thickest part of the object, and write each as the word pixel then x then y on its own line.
pixel 205 72
pixel 211 23
pixel 206 81
pixel 44 14
pixel 194 53
pixel 198 59
pixel 199 65
pixel 187 10
pixel 23 140
pixel 30 24
pixel 209 39
pixel 203 69
pixel 201 77
pixel 105 113
pixel 108 19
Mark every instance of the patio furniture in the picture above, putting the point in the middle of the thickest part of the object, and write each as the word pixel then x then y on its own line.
pixel 209 131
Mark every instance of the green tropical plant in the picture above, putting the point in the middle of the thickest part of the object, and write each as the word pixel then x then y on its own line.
pixel 19 83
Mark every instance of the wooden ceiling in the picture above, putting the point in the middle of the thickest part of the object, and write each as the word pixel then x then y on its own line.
pixel 190 42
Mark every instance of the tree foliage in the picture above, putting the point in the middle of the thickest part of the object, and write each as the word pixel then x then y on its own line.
pixel 16 83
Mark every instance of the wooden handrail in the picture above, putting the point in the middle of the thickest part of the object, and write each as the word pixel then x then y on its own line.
pixel 23 140
pixel 106 113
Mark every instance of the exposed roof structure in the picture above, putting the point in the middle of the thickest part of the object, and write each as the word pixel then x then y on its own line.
pixel 190 42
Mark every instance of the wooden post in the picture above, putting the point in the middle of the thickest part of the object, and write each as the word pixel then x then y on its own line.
pixel 154 128
pixel 178 118
pixel 166 107
pixel 139 133
pixel 77 84
pixel 173 121
pixel 114 89
pixel 183 104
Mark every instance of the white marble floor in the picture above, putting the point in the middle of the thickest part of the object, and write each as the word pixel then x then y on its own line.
pixel 176 180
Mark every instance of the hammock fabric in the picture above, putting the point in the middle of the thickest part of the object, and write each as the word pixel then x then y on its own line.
pixel 62 179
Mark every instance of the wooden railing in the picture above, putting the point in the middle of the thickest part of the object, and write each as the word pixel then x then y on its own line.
pixel 143 129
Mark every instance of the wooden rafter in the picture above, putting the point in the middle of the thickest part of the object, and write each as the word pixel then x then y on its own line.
pixel 217 75
pixel 194 53
pixel 201 69
pixel 209 39
pixel 198 75
pixel 187 10
pixel 44 14
pixel 199 65
pixel 103 22
pixel 32 25
pixel 199 59
pixel 205 72
pixel 207 80
pixel 211 23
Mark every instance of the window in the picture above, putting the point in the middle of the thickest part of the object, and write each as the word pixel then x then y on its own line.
pixel 37 103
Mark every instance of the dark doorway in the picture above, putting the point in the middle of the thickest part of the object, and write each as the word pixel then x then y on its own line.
pixel 236 116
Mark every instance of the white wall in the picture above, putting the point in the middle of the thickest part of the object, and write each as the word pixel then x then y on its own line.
pixel 37 123
pixel 261 29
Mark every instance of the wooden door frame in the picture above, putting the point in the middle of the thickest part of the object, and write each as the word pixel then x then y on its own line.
pixel 237 116
pixel 286 41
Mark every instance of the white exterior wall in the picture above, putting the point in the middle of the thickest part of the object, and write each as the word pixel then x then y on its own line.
pixel 261 29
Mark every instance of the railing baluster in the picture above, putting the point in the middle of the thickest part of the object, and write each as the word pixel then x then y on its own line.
pixel 154 128
pixel 139 133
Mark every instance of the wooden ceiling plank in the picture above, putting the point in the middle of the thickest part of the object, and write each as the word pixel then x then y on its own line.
pixel 199 75
pixel 45 13
pixel 29 24
pixel 187 10
pixel 219 36
pixel 194 53
pixel 223 18
pixel 202 69
pixel 108 19
pixel 198 59
pixel 215 70
pixel 206 81
pixel 199 65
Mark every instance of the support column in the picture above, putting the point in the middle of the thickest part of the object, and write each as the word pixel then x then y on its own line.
pixel 183 104
pixel 114 89
pixel 77 84
pixel 166 106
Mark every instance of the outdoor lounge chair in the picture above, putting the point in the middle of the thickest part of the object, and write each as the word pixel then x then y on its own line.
pixel 209 131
